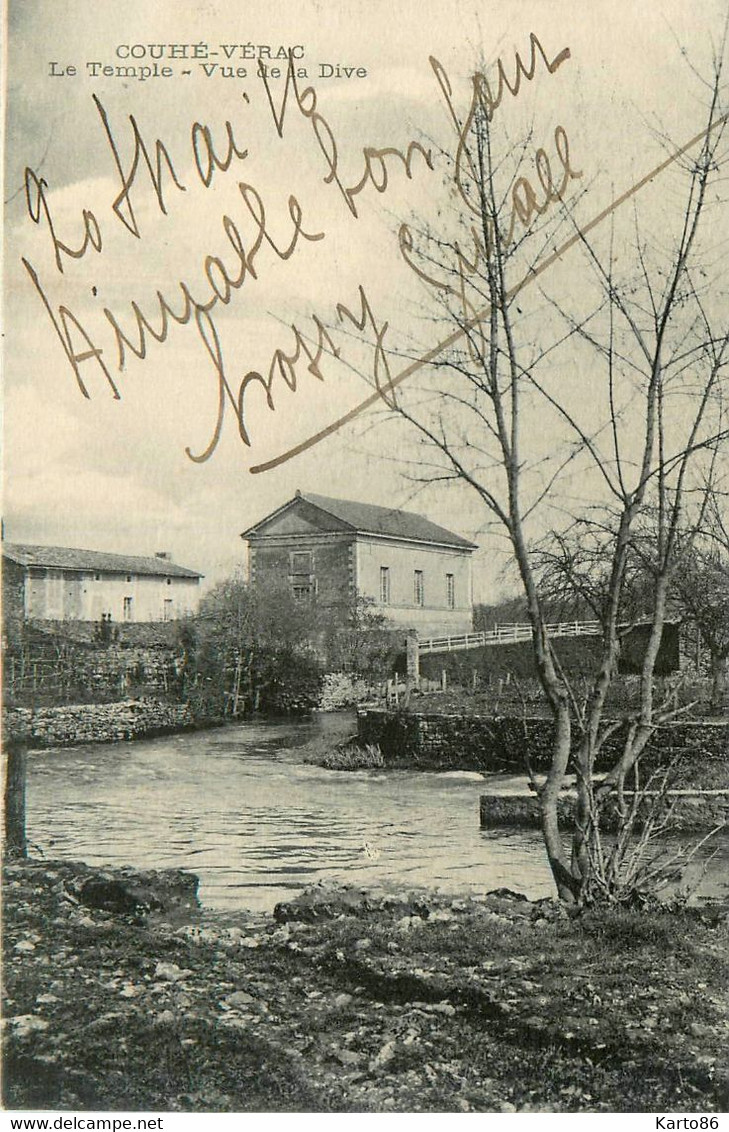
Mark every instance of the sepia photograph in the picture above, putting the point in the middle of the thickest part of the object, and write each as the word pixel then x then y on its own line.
pixel 365 560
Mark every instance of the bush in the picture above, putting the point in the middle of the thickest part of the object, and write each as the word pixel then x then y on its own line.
pixel 290 682
pixel 342 690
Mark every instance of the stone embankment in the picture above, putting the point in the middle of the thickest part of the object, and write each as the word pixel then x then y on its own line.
pixel 96 723
pixel 499 744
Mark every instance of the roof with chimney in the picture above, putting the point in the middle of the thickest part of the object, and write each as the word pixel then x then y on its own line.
pixel 96 561
pixel 362 518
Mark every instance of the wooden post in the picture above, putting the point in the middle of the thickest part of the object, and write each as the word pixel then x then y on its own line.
pixel 444 680
pixel 15 778
pixel 413 659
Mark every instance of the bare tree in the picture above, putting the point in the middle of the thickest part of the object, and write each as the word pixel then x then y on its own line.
pixel 701 589
pixel 646 326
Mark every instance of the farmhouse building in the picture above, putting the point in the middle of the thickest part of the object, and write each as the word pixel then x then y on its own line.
pixel 417 574
pixel 62 584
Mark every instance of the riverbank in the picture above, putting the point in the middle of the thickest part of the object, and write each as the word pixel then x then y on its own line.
pixel 424 739
pixel 121 994
pixel 65 726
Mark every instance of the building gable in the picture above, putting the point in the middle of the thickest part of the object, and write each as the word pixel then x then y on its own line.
pixel 297 517
pixel 308 514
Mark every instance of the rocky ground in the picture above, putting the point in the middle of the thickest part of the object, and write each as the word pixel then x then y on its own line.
pixel 121 994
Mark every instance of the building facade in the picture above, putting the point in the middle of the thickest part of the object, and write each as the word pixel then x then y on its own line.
pixel 416 573
pixel 52 583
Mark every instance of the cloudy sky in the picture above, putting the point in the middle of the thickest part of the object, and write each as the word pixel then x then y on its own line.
pixel 115 473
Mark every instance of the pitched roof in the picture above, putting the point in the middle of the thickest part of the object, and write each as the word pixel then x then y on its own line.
pixel 367 518
pixel 67 558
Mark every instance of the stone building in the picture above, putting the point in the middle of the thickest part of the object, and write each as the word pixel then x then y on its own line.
pixel 417 573
pixel 53 583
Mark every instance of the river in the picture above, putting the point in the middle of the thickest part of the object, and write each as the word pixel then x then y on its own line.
pixel 239 807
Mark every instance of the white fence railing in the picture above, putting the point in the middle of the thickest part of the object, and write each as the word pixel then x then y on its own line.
pixel 506 634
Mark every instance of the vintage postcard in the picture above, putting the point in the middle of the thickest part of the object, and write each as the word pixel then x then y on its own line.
pixel 365 557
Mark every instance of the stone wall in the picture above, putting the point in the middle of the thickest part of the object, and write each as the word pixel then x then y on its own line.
pixel 59 668
pixel 120 668
pixel 461 742
pixel 95 723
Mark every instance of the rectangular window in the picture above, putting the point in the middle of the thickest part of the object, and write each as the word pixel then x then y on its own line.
pixel 451 591
pixel 385 585
pixel 167 609
pixel 301 562
pixel 419 587
pixel 301 574
pixel 127 609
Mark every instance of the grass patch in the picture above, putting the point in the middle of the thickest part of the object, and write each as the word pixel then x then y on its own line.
pixel 346 755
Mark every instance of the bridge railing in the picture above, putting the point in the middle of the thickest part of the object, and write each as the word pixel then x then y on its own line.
pixel 505 634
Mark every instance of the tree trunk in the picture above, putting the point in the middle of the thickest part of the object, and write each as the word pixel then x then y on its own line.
pixel 567 884
pixel 15 777
pixel 583 815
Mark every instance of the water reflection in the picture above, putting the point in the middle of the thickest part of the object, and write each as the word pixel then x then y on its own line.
pixel 240 809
